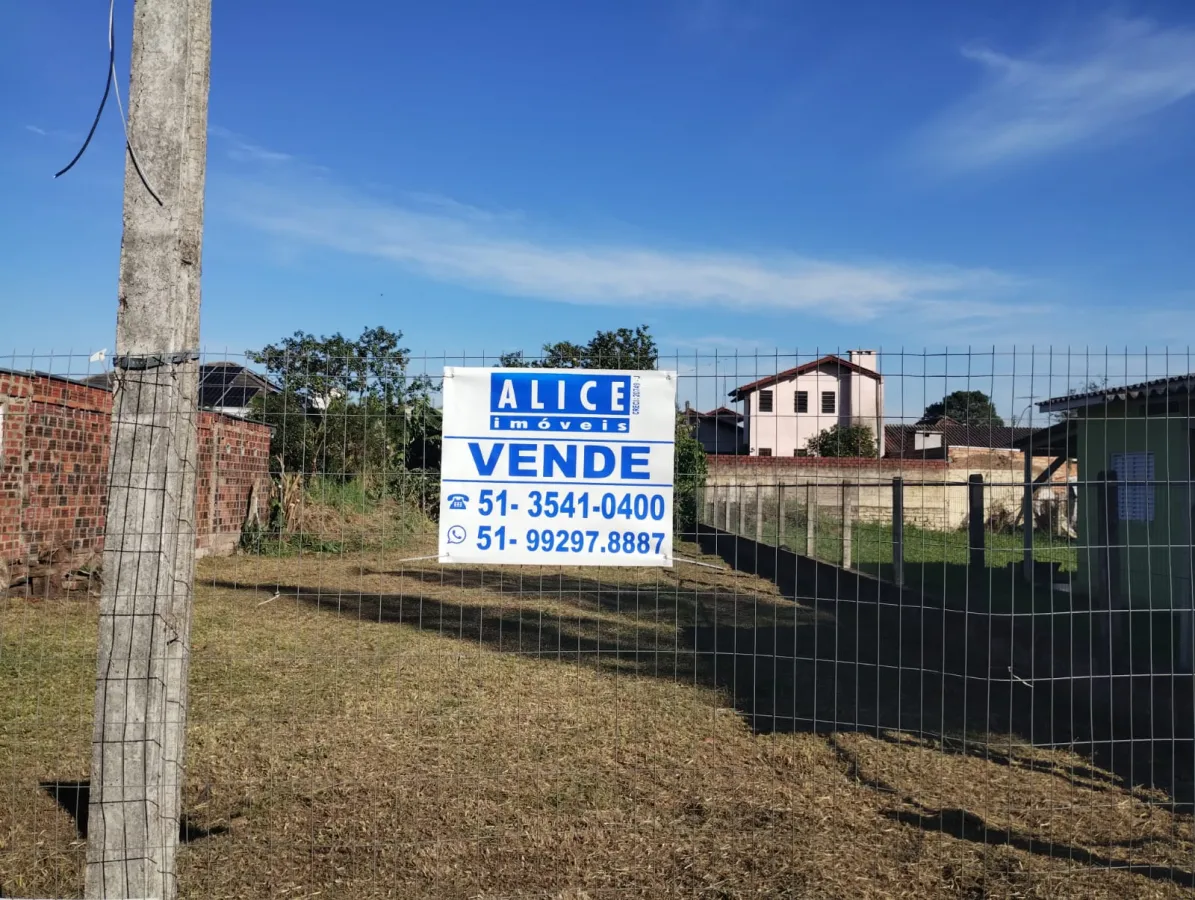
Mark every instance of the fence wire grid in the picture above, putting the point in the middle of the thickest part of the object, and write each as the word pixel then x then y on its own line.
pixel 929 634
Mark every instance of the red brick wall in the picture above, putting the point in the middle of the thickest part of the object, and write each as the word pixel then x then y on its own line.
pixel 233 456
pixel 54 466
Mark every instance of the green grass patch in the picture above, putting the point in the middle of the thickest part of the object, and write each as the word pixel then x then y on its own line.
pixel 937 563
pixel 353 496
pixel 872 544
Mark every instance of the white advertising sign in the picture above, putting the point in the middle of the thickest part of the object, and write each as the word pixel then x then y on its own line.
pixel 557 467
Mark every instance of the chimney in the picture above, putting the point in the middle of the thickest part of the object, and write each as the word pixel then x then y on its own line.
pixel 865 359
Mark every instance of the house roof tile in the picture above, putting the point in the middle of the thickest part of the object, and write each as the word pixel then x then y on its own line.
pixel 898 439
pixel 721 414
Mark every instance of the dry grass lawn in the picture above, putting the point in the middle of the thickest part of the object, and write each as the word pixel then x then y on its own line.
pixel 388 729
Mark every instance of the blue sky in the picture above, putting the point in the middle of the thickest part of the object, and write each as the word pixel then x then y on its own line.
pixel 753 177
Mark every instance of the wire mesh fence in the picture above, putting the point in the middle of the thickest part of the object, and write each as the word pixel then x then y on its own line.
pixel 895 528
pixel 929 634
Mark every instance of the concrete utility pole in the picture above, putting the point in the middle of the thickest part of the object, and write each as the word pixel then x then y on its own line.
pixel 149 547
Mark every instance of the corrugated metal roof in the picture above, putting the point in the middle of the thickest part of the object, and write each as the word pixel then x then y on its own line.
pixel 1060 439
pixel 1176 384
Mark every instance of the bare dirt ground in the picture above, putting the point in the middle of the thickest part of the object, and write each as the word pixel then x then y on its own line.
pixel 363 727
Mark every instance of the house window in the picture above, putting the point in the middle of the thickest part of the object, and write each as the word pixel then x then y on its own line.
pixel 828 401
pixel 765 451
pixel 800 452
pixel 765 401
pixel 801 402
pixel 1135 486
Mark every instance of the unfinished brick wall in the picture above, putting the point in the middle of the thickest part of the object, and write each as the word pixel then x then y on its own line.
pixel 54 466
pixel 234 456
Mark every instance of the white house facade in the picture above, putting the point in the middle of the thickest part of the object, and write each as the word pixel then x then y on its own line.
pixel 783 411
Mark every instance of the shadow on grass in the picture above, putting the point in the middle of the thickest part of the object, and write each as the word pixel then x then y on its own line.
pixel 822 666
pixel 1031 658
pixel 966 826
pixel 74 797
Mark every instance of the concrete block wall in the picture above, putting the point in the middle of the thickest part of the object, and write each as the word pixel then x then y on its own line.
pixel 935 491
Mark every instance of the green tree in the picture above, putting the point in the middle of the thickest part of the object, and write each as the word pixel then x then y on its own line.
pixel 689 471
pixel 323 369
pixel 631 349
pixel 621 349
pixel 844 440
pixel 348 408
pixel 966 408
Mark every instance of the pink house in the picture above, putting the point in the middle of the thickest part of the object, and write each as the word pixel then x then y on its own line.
pixel 783 411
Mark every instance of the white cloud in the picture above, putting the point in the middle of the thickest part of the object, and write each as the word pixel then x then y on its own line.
pixel 52 133
pixel 242 150
pixel 454 208
pixel 1059 98
pixel 460 244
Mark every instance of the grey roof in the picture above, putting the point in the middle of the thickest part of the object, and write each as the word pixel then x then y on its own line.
pixel 1177 384
pixel 221 385
pixel 898 439
pixel 38 373
pixel 1060 439
pixel 102 380
pixel 722 415
pixel 228 384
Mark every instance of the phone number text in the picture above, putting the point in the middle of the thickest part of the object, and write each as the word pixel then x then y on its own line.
pixel 548 540
pixel 569 504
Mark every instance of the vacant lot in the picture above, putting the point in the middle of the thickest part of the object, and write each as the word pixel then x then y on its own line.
pixel 363 727
pixel 935 562
pixel 872 544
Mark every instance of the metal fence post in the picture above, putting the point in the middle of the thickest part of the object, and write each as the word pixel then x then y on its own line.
pixel 759 514
pixel 1027 513
pixel 742 529
pixel 726 510
pixel 811 520
pixel 975 525
pixel 780 531
pixel 898 531
pixel 847 548
pixel 1108 571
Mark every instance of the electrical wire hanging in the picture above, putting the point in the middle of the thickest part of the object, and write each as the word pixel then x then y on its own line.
pixel 110 84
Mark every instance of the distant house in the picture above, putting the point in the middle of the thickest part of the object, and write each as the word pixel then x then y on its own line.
pixel 224 387
pixel 783 411
pixel 720 431
pixel 230 388
pixel 1136 462
pixel 944 438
